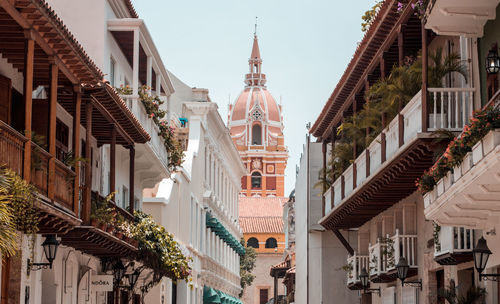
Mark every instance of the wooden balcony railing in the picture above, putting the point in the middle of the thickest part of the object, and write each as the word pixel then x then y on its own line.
pixel 11 148
pixel 64 186
pixel 40 168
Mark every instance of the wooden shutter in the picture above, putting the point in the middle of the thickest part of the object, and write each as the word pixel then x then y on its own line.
pixel 5 99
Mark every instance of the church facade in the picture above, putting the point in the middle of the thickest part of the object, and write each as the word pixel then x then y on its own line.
pixel 256 125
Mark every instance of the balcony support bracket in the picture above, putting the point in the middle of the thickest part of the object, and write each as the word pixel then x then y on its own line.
pixel 344 242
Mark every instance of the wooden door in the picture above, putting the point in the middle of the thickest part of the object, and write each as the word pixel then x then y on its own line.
pixel 5 99
pixel 263 295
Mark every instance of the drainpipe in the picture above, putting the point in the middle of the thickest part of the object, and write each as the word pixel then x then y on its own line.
pixel 308 138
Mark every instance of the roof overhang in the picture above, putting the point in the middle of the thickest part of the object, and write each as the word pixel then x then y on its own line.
pixel 460 17
pixel 146 42
pixel 393 182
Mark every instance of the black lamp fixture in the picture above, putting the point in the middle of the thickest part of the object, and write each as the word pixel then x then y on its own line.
pixel 492 61
pixel 118 272
pixel 50 246
pixel 402 270
pixel 481 254
pixel 363 277
pixel 132 278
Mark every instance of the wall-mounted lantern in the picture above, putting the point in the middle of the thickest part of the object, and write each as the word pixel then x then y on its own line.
pixel 50 246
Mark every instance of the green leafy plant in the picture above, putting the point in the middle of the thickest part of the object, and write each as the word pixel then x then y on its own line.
pixel 349 267
pixel 247 264
pixel 101 209
pixel 435 236
pixel 474 295
pixel 370 15
pixel 124 90
pixel 158 251
pixel 8 241
pixel 388 251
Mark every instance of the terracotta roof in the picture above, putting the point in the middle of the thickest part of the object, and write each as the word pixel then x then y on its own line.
pixel 386 21
pixel 280 265
pixel 131 9
pixel 261 224
pixel 262 206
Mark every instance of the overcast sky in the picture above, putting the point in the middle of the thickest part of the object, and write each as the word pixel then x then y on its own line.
pixel 305 47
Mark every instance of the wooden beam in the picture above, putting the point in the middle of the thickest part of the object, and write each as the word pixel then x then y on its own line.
pixel 344 242
pixel 77 100
pixel 88 168
pixel 52 129
pixel 400 47
pixel 112 162
pixel 132 178
pixel 29 51
pixel 323 150
pixel 424 78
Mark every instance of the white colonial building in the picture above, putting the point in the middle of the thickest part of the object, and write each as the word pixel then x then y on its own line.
pixel 204 191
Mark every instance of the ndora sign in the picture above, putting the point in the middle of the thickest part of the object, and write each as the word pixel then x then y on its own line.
pixel 102 283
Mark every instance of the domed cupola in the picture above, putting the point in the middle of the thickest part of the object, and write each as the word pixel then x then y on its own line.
pixel 256 125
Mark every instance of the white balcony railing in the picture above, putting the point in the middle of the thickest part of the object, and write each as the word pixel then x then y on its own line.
pixel 454 240
pixel 356 263
pixel 156 143
pixel 378 256
pixel 449 108
pixel 405 246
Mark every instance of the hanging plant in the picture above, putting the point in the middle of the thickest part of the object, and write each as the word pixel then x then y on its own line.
pixel 419 7
pixel 388 251
pixel 435 236
pixel 158 251
pixel 349 267
pixel 124 90
pixel 369 16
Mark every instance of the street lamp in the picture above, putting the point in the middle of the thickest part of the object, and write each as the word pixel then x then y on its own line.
pixel 132 278
pixel 363 277
pixel 118 272
pixel 492 62
pixel 402 270
pixel 481 254
pixel 50 246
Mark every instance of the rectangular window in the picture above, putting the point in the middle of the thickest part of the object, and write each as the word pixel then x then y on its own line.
pixel 112 65
pixel 125 197
pixel 62 139
pixel 263 296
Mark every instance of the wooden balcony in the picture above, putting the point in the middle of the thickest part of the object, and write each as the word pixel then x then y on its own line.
pixel 404 246
pixel 386 171
pixel 356 263
pixel 379 262
pixel 455 245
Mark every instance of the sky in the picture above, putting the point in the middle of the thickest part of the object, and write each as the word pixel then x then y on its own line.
pixel 305 47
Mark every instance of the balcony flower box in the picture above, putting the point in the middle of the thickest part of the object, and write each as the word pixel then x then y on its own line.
pixel 448 180
pixel 466 163
pixel 490 141
pixel 440 187
pixel 477 152
pixel 457 173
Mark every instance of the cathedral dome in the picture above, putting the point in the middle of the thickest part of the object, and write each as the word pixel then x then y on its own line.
pixel 255 104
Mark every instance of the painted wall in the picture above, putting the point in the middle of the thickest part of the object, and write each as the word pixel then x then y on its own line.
pixel 263 280
pixel 262 237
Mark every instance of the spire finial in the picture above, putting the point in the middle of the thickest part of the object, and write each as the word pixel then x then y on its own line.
pixel 255 31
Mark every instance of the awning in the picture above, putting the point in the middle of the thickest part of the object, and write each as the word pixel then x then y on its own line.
pixel 211 295
pixel 221 231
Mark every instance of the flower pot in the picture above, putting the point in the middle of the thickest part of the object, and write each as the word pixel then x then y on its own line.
pixel 477 153
pixel 94 223
pixel 102 226
pixel 490 141
pixel 134 242
pixel 466 163
pixel 119 234
pixel 457 174
pixel 110 229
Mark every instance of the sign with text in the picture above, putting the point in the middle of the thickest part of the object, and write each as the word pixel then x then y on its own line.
pixel 102 282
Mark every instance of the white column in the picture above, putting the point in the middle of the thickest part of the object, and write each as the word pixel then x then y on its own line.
pixel 135 64
pixel 158 84
pixel 149 73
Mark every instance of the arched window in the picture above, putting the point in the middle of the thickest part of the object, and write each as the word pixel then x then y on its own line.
pixel 256 180
pixel 253 242
pixel 256 135
pixel 271 243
